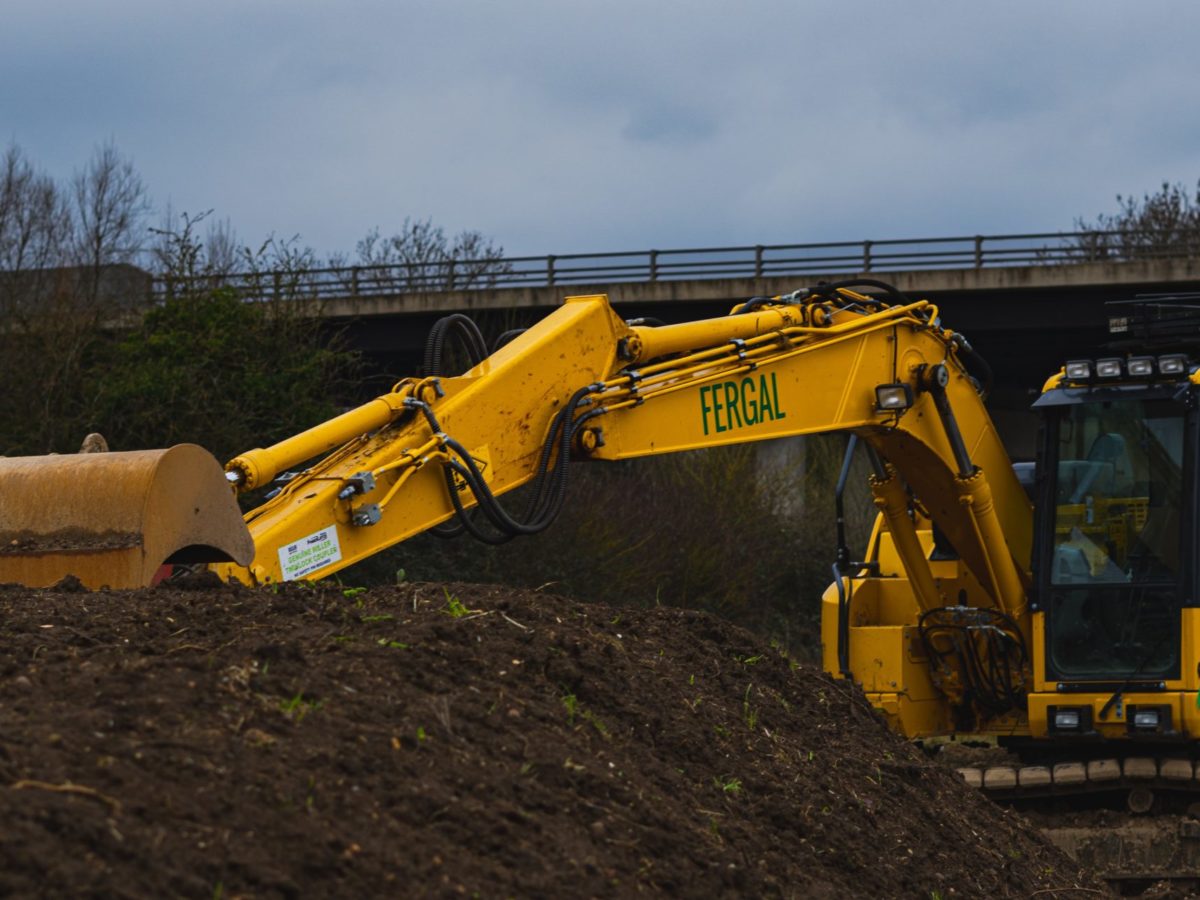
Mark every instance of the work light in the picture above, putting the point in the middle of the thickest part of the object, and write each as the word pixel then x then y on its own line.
pixel 893 397
pixel 1140 366
pixel 1079 370
pixel 1173 364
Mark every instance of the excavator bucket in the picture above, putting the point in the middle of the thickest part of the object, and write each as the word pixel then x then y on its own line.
pixel 115 519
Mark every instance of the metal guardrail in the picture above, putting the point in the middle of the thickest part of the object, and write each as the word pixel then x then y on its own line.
pixel 758 261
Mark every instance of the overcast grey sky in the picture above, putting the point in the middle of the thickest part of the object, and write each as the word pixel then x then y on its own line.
pixel 570 125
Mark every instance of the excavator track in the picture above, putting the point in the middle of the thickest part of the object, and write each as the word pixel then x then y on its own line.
pixel 1134 821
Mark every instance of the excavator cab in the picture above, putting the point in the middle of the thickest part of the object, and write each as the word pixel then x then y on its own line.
pixel 1115 542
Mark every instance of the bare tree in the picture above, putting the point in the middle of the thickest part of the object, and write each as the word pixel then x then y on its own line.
pixel 1165 223
pixel 35 224
pixel 109 207
pixel 177 251
pixel 221 246
pixel 420 257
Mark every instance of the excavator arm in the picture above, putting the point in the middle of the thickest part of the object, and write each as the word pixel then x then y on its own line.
pixel 584 383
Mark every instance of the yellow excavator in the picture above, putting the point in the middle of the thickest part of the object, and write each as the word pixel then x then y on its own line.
pixel 1071 634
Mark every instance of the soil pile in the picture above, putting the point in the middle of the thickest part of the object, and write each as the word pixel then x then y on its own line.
pixel 213 741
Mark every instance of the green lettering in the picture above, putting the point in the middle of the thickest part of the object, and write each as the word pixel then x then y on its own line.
pixel 731 403
pixel 749 402
pixel 704 407
pixel 764 397
pixel 716 399
pixel 779 413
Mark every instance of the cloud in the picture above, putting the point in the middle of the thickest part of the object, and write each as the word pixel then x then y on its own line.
pixel 586 126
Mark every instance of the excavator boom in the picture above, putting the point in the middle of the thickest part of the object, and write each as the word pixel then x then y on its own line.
pixel 582 382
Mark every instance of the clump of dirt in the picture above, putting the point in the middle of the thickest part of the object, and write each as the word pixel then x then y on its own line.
pixel 459 740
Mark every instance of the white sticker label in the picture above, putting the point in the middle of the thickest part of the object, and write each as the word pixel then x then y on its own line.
pixel 305 556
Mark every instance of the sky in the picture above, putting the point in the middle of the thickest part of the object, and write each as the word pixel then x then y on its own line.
pixel 561 126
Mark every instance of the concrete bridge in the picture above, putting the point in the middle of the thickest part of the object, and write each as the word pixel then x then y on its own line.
pixel 1025 320
pixel 1027 302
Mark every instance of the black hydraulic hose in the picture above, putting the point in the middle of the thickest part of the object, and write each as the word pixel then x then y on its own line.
pixel 467 332
pixel 843 623
pixel 843 550
pixel 937 387
pixel 507 336
pixel 977 367
pixel 550 481
pixel 990 650
pixel 831 287
pixel 472 340
pixel 752 304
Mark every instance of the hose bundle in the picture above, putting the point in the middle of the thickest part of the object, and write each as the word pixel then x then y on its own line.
pixel 986 648
pixel 549 483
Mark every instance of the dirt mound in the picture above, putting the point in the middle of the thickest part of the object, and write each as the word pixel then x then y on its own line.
pixel 446 740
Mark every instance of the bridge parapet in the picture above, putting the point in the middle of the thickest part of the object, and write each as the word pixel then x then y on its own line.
pixel 977 262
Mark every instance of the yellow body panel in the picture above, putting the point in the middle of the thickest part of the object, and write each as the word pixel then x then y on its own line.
pixel 1182 694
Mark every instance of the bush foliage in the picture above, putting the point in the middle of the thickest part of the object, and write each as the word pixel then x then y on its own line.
pixel 215 370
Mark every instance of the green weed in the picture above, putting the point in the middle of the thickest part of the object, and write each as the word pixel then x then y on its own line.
pixel 595 721
pixel 298 707
pixel 749 713
pixel 571 703
pixel 728 784
pixel 455 608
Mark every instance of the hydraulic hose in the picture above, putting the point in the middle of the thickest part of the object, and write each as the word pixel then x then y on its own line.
pixel 468 334
pixel 549 484
pixel 831 287
pixel 977 367
pixel 471 338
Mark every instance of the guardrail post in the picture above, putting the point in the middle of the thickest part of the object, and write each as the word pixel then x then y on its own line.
pixel 979 251
pixel 275 279
pixel 550 271
pixel 654 265
pixel 758 261
pixel 354 282
pixel 450 275
pixel 867 255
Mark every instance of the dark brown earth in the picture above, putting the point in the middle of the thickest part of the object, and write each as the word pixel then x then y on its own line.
pixel 430 740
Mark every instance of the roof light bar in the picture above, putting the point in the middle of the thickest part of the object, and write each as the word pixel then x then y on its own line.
pixel 1112 368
